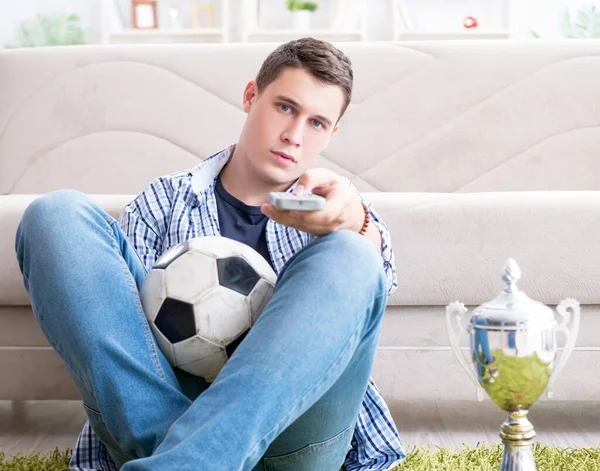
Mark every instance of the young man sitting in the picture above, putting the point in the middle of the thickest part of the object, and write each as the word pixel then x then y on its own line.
pixel 296 394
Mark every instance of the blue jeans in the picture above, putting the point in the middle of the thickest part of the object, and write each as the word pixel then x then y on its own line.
pixel 289 397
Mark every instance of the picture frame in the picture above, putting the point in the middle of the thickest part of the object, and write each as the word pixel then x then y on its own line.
pixel 144 14
pixel 203 16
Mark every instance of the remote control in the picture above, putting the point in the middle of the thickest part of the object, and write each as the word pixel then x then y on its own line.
pixel 291 202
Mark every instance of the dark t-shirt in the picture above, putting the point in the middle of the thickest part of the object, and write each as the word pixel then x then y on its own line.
pixel 241 222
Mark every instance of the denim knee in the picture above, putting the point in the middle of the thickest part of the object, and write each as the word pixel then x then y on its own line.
pixel 364 263
pixel 44 212
pixel 45 208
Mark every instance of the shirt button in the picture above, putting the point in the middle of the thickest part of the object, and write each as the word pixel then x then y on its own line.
pixel 280 255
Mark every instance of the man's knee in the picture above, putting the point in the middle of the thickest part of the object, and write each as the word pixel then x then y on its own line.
pixel 56 207
pixel 360 261
pixel 45 213
pixel 51 205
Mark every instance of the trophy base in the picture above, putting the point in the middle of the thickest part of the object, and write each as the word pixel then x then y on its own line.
pixel 517 434
pixel 517 458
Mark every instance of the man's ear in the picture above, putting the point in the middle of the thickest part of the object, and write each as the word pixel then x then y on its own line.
pixel 250 95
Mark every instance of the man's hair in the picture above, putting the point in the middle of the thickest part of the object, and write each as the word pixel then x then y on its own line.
pixel 321 59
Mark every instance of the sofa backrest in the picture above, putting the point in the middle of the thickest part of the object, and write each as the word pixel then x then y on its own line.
pixel 425 117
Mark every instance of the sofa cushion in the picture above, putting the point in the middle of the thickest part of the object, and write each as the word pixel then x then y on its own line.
pixel 447 246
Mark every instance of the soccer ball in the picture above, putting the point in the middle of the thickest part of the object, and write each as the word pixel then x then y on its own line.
pixel 201 298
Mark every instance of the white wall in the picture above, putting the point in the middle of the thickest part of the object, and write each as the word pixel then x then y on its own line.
pixel 539 15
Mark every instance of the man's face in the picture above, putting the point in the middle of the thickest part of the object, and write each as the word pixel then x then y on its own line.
pixel 288 124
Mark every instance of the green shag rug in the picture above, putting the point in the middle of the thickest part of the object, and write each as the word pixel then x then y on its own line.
pixel 479 458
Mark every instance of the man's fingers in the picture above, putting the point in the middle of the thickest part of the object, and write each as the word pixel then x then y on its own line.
pixel 282 217
pixel 314 178
pixel 299 189
pixel 306 221
pixel 330 218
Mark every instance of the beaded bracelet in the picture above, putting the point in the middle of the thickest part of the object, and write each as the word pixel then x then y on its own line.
pixel 365 225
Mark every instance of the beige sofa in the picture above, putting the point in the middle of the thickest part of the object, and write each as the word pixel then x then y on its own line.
pixel 465 148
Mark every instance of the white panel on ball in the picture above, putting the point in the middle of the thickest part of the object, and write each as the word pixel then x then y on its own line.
pixel 223 317
pixel 208 368
pixel 153 293
pixel 218 247
pixel 189 276
pixel 259 297
pixel 165 346
pixel 197 348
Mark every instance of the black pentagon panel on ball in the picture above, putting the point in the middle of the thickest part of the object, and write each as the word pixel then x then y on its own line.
pixel 175 319
pixel 229 349
pixel 237 274
pixel 172 254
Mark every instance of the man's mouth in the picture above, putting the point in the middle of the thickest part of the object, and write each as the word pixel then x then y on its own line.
pixel 284 155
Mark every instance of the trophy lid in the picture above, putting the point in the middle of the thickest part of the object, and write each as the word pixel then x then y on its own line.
pixel 512 309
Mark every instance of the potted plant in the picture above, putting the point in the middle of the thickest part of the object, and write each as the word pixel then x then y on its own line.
pixel 301 13
pixel 583 23
pixel 52 29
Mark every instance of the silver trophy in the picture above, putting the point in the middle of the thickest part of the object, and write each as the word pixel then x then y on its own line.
pixel 513 350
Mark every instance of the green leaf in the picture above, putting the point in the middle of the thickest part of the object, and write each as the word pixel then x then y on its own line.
pixel 587 24
pixel 296 5
pixel 583 15
pixel 564 23
pixel 52 29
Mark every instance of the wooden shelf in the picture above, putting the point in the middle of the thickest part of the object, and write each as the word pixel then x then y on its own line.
pixel 127 35
pixel 407 35
pixel 258 34
pixel 169 35
pixel 405 27
pixel 337 29
pixel 168 32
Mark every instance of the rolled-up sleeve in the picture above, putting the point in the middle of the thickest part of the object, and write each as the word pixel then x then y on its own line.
pixel 387 254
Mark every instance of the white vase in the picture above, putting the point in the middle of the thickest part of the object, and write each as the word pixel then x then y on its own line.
pixel 301 19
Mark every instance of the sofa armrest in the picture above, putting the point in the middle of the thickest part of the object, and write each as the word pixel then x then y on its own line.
pixel 12 207
pixel 454 246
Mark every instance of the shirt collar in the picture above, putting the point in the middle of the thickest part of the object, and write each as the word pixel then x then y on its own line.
pixel 205 173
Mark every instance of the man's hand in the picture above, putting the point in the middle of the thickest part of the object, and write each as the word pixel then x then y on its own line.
pixel 343 208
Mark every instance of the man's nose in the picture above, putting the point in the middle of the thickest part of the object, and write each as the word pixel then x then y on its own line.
pixel 293 133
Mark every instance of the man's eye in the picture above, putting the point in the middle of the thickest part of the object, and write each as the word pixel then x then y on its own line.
pixel 317 124
pixel 285 108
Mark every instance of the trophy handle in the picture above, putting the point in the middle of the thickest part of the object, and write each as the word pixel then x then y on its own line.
pixel 454 313
pixel 570 335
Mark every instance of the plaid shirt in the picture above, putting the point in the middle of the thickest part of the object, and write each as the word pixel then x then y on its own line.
pixel 181 206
